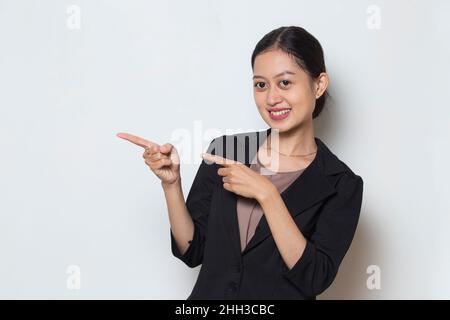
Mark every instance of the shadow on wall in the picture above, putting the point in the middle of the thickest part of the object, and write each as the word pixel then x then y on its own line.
pixel 351 279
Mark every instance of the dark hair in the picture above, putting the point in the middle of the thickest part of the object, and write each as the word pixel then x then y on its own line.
pixel 304 47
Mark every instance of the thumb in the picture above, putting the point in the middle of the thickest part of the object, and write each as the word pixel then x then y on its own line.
pixel 166 148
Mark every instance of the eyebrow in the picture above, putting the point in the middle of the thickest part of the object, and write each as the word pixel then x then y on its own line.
pixel 277 75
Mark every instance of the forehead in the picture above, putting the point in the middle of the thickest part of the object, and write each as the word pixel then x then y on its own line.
pixel 270 63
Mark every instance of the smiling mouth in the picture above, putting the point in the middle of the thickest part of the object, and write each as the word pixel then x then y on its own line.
pixel 279 112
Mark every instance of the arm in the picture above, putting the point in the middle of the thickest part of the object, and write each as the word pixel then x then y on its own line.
pixel 180 220
pixel 288 238
pixel 189 219
pixel 313 263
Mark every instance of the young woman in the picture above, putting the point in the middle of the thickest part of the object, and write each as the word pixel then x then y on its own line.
pixel 277 224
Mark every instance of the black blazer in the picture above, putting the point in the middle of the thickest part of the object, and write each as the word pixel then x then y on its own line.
pixel 324 201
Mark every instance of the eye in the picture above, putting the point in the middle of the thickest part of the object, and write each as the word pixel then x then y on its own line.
pixel 284 82
pixel 256 85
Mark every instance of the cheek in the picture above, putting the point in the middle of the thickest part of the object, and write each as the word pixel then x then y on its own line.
pixel 300 99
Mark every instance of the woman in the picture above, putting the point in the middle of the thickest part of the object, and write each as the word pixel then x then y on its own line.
pixel 277 224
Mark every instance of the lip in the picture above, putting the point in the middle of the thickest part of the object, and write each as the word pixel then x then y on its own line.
pixel 278 117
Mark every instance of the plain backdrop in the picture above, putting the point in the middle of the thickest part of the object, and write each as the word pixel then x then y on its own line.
pixel 73 196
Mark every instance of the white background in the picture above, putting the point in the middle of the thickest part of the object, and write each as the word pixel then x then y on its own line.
pixel 72 193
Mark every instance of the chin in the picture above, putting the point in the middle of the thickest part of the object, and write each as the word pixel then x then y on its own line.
pixel 278 126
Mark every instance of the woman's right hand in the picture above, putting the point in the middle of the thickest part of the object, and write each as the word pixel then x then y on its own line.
pixel 163 160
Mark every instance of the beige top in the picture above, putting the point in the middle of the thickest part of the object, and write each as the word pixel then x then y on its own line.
pixel 249 211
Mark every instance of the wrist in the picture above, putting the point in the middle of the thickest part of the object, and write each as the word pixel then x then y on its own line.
pixel 172 185
pixel 266 195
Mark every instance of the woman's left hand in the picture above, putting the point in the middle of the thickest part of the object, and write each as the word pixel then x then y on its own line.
pixel 240 179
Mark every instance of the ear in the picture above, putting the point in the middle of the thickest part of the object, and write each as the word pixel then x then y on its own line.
pixel 321 84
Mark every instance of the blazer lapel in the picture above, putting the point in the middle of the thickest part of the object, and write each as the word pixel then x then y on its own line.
pixel 308 189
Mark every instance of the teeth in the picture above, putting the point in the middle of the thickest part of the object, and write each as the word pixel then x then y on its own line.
pixel 277 113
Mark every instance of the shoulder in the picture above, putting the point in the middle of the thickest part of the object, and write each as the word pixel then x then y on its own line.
pixel 348 184
pixel 345 204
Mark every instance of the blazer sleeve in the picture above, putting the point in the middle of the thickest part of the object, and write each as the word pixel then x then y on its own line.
pixel 198 203
pixel 317 267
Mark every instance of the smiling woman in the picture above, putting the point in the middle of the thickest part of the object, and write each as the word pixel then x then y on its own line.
pixel 280 235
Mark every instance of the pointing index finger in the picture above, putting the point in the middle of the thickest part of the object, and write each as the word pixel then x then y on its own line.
pixel 219 160
pixel 136 140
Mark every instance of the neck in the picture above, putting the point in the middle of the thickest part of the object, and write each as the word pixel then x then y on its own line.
pixel 297 141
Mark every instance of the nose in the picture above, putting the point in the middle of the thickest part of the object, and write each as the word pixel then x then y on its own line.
pixel 273 97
